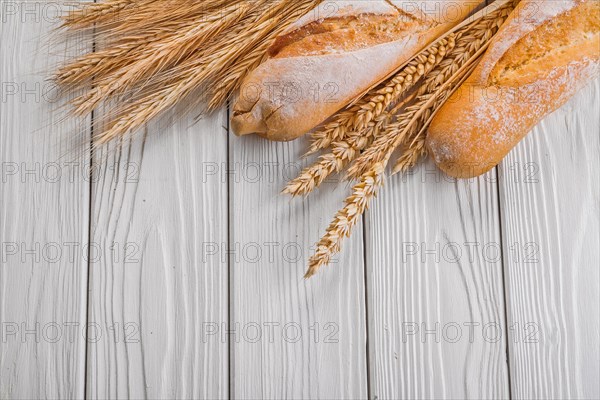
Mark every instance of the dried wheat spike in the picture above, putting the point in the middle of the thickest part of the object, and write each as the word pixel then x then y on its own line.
pixel 131 53
pixel 120 16
pixel 364 191
pixel 342 153
pixel 411 156
pixel 416 150
pixel 408 124
pixel 346 218
pixel 88 14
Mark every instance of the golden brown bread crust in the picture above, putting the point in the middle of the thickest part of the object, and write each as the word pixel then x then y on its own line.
pixel 346 34
pixel 532 68
pixel 320 65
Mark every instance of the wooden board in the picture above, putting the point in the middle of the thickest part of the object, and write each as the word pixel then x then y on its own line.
pixel 550 196
pixel 295 338
pixel 195 262
pixel 157 209
pixel 435 294
pixel 44 206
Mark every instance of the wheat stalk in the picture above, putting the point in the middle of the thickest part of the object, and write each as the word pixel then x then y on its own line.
pixel 88 14
pixel 411 156
pixel 415 143
pixel 131 41
pixel 120 16
pixel 346 218
pixel 411 122
pixel 342 153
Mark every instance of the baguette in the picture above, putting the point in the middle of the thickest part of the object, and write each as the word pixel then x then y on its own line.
pixel 544 53
pixel 334 54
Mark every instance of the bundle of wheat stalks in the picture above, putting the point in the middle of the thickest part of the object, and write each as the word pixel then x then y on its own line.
pixel 151 54
pixel 148 55
pixel 392 117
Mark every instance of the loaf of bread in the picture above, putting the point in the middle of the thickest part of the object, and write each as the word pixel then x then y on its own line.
pixel 543 54
pixel 334 54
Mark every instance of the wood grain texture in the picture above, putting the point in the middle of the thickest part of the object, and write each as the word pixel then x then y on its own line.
pixel 158 296
pixel 435 294
pixel 551 211
pixel 296 339
pixel 44 198
pixel 196 262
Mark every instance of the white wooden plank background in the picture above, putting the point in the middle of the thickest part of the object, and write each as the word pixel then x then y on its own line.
pixel 156 208
pixel 44 217
pixel 435 289
pixel 195 264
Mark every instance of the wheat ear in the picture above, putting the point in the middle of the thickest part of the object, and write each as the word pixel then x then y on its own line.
pixel 411 122
pixel 88 14
pixel 121 16
pixel 342 153
pixel 346 218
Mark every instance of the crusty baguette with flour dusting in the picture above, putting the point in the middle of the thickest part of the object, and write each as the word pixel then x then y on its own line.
pixel 334 54
pixel 544 53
